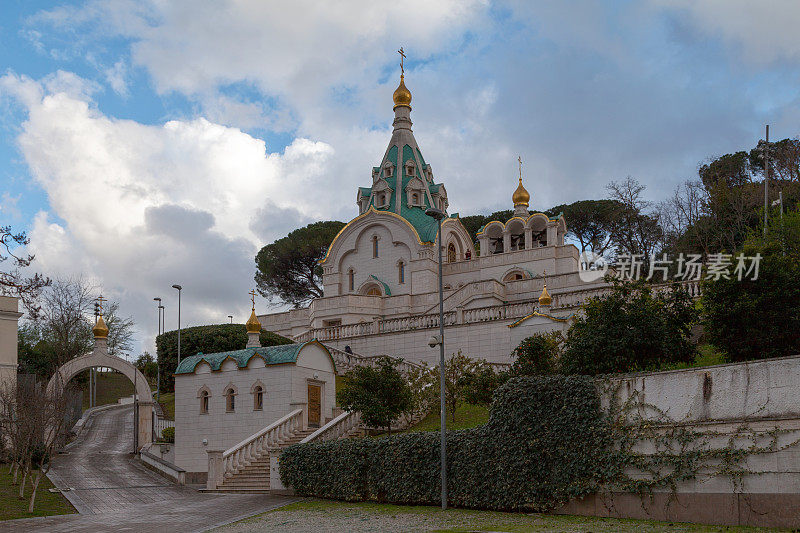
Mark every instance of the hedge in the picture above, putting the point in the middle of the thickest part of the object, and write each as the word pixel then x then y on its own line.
pixel 546 442
pixel 207 339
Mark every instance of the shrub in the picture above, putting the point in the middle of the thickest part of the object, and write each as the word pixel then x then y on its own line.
pixel 379 393
pixel 757 319
pixel 168 434
pixel 480 382
pixel 537 354
pixel 630 329
pixel 206 339
pixel 425 383
pixel 546 442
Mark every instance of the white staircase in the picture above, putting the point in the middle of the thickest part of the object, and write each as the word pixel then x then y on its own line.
pixel 245 468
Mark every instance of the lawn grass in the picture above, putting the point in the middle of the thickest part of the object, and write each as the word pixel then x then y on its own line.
pixel 369 516
pixel 168 404
pixel 111 386
pixel 467 416
pixel 47 503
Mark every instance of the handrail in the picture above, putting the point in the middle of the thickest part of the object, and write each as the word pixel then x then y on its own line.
pixel 263 432
pixel 338 427
pixel 368 360
pixel 239 456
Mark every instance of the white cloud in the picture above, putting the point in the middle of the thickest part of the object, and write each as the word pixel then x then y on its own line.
pixel 8 206
pixel 116 78
pixel 761 32
pixel 145 206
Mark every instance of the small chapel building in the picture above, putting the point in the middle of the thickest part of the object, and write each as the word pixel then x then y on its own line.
pixel 224 398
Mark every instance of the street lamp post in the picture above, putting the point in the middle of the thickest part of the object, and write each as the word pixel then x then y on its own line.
pixel 158 366
pixel 231 318
pixel 438 214
pixel 176 286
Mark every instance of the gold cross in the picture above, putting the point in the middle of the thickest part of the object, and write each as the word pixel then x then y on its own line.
pixel 519 158
pixel 402 57
pixel 252 294
pixel 100 301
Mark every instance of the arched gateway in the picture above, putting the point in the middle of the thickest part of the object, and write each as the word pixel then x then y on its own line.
pixel 99 357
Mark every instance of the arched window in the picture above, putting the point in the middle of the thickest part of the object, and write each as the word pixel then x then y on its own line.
pixel 415 199
pixel 204 402
pixel 451 253
pixel 374 246
pixel 258 398
pixel 373 291
pixel 230 400
pixel 350 279
pixel 514 276
pixel 401 272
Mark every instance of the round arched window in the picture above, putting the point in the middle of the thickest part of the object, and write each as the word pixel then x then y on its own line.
pixel 230 400
pixel 258 398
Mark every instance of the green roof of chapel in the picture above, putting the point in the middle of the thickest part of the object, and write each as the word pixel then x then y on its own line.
pixel 272 355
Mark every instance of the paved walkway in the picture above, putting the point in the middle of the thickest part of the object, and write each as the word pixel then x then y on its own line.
pixel 113 492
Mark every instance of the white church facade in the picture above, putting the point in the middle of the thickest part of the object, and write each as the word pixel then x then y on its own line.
pixel 380 273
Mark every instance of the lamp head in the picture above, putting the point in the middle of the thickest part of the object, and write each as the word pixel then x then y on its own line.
pixel 438 214
pixel 176 286
pixel 157 300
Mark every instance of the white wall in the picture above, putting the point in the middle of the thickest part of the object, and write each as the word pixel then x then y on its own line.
pixel 9 315
pixel 285 389
pixel 756 389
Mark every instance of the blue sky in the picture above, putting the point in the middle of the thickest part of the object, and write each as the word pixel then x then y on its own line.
pixel 145 143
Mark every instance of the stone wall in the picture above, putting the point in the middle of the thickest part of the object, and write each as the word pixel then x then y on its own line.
pixel 721 402
pixel 9 316
pixel 493 340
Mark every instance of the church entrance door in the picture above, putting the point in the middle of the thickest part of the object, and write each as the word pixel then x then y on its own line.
pixel 314 405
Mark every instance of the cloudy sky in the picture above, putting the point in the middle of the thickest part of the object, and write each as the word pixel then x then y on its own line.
pixel 145 143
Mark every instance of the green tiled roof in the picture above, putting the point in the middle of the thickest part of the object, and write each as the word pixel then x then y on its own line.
pixel 426 226
pixel 386 290
pixel 365 191
pixel 272 355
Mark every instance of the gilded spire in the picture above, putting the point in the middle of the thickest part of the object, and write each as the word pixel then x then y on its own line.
pixel 100 330
pixel 252 324
pixel 521 197
pixel 545 299
pixel 402 96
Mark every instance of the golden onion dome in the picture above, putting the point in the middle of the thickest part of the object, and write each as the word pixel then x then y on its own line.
pixel 402 96
pixel 521 195
pixel 100 329
pixel 545 298
pixel 252 324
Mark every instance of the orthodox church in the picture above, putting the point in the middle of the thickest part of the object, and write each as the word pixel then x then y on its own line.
pixel 380 273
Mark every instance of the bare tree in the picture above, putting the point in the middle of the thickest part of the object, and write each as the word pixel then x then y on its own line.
pixel 63 329
pixel 686 220
pixel 12 281
pixel 32 417
pixel 637 229
pixel 65 319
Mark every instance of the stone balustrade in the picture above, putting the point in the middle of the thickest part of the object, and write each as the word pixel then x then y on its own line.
pixel 222 465
pixel 561 301
pixel 339 427
pixel 345 361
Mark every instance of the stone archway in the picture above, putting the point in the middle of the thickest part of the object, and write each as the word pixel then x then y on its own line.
pixel 100 358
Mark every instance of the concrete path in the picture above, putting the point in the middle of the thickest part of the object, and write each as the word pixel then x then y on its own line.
pixel 113 492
